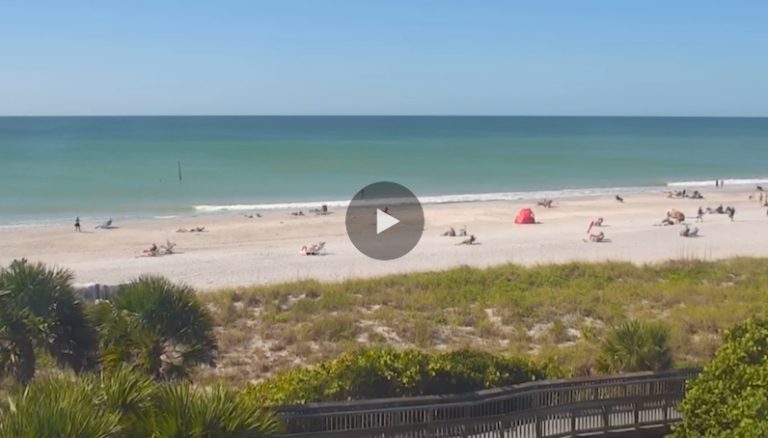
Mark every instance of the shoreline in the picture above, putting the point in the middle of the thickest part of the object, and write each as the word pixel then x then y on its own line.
pixel 235 251
pixel 205 210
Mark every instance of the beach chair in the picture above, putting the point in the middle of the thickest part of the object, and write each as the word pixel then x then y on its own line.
pixel 106 225
pixel 312 249
pixel 167 248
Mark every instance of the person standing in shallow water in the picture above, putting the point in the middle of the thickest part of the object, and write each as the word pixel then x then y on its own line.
pixel 77 224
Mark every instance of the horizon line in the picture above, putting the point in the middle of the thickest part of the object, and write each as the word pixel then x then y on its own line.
pixel 391 115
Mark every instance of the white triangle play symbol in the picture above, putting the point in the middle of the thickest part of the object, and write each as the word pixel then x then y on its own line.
pixel 384 221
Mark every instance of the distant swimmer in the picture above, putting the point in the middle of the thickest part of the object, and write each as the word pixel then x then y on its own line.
pixel 77 224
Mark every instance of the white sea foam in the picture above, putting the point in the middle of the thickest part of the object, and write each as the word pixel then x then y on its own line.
pixel 711 182
pixel 438 199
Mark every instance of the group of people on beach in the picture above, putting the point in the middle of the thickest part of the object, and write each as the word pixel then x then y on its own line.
pixel 451 232
pixel 154 250
pixel 673 217
pixel 685 194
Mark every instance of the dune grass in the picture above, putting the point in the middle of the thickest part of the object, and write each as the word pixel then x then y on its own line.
pixel 558 313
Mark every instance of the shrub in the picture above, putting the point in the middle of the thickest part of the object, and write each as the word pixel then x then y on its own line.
pixel 57 408
pixel 730 397
pixel 126 404
pixel 636 346
pixel 39 311
pixel 157 327
pixel 384 372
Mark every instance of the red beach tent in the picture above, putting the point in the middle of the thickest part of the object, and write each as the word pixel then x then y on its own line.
pixel 525 216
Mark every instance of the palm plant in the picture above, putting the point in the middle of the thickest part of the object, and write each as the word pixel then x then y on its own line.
pixel 57 408
pixel 130 395
pixel 126 404
pixel 39 310
pixel 636 346
pixel 218 413
pixel 157 327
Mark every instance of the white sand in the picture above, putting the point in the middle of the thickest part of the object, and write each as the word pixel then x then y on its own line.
pixel 236 251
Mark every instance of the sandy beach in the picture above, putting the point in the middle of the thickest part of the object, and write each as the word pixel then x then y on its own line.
pixel 239 251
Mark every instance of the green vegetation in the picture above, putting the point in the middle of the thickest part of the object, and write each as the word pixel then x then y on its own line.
pixel 381 373
pixel 125 404
pixel 39 314
pixel 636 346
pixel 158 327
pixel 729 398
pixel 400 335
pixel 553 313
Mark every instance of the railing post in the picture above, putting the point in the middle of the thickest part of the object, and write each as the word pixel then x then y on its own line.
pixel 537 418
pixel 573 421
pixel 636 404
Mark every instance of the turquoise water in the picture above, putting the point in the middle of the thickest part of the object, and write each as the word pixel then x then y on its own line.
pixel 58 167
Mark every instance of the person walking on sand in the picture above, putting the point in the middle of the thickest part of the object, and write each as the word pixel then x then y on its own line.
pixel 731 213
pixel 700 215
pixel 77 224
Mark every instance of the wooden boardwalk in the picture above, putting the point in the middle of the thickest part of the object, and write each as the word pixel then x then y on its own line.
pixel 641 404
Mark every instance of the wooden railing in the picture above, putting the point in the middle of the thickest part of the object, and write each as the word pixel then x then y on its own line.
pixel 641 402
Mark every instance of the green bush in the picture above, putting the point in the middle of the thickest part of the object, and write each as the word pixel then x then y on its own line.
pixel 730 397
pixel 384 372
pixel 39 312
pixel 156 326
pixel 636 346
pixel 126 404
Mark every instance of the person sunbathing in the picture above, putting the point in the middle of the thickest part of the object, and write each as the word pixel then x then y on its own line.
pixel 665 222
pixel 463 231
pixel 595 223
pixel 151 251
pixel 546 203
pixel 599 237
pixel 449 233
pixel 470 241
pixel 191 230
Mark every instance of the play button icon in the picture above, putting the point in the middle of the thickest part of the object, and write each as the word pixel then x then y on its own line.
pixel 384 220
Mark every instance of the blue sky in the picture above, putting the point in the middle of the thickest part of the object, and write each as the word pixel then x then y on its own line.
pixel 574 57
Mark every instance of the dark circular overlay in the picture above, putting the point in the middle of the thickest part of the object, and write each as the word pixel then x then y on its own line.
pixel 384 220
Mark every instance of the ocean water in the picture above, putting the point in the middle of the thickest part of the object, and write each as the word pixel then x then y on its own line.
pixel 53 168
